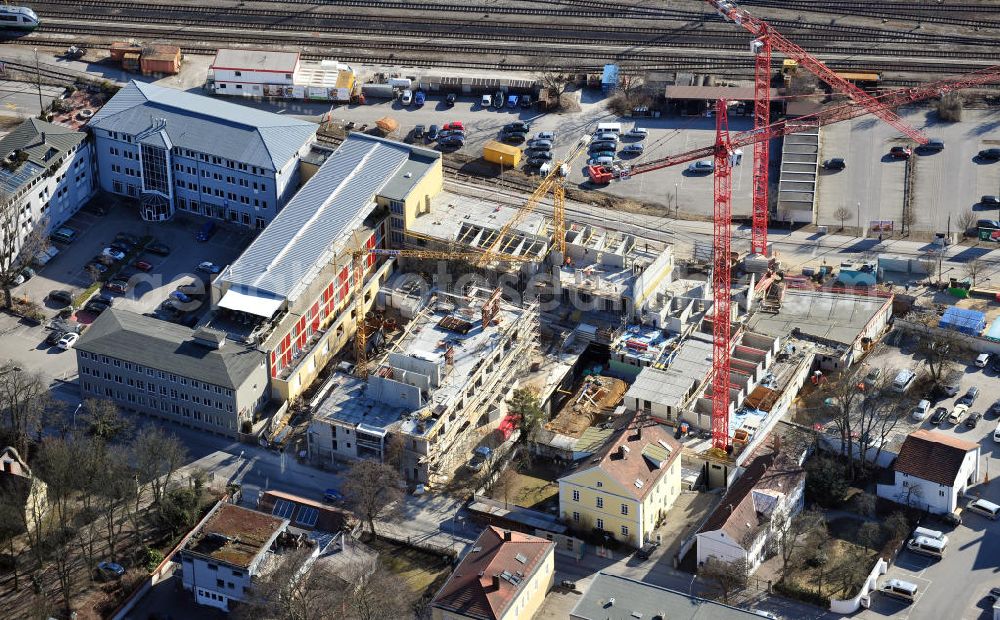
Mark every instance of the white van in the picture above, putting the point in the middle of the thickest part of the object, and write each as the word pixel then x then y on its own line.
pixel 920 411
pixel 928 546
pixel 926 532
pixel 985 508
pixel 903 381
pixel 486 101
pixel 982 359
pixel 615 128
pixel 900 589
pixel 407 97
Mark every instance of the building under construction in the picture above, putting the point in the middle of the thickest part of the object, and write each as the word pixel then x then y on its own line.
pixel 436 390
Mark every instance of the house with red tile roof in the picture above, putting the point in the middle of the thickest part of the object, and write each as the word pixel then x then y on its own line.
pixel 504 576
pixel 931 472
pixel 627 488
pixel 753 509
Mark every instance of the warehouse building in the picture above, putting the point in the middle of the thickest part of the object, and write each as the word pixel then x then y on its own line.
pixel 289 293
pixel 439 389
pixel 269 73
pixel 172 150
pixel 196 378
pixel 46 175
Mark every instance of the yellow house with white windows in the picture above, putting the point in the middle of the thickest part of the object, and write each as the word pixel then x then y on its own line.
pixel 628 488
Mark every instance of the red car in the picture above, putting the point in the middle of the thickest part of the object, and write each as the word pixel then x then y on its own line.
pixel 900 152
pixel 453 125
pixel 142 265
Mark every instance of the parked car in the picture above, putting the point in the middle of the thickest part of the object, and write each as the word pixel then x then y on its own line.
pixel 54 337
pixel 419 98
pixel 450 99
pixel 939 415
pixel 970 397
pixel 113 253
pixel 64 234
pixel 432 133
pixel 900 152
pixel 452 133
pixel 989 154
pixel 545 135
pixel 68 340
pixel 181 297
pixel 117 285
pixel 195 289
pixel 933 145
pixel 516 137
pixel 634 149
pixel 602 154
pixel 418 132
pixel 607 136
pixel 27 273
pixel 920 411
pixel 142 265
pixel 127 237
pixel 452 142
pixel 95 307
pixel 332 496
pixel 989 224
pixel 97 266
pixel 407 97
pixel 837 163
pixel 993 594
pixel 538 162
pixel 958 414
pixel 208 267
pixel 110 570
pixel 538 143
pixel 485 101
pixel 498 100
pixel 544 155
pixel 601 161
pixel 104 298
pixel 160 249
pixel 60 296
pixel 646 551
pixel 121 246
pixel 994 410
pixel 206 231
pixel 452 126
pixel 525 101
pixel 637 133
pixel 702 167
pixel 990 201
pixel 973 419
pixel 479 457
pixel 521 126
pixel 512 101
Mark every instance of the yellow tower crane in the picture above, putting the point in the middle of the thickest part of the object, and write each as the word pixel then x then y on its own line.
pixel 553 181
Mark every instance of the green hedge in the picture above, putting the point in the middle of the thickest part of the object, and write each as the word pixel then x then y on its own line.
pixel 802 594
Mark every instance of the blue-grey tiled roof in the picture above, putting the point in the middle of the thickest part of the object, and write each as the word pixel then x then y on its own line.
pixel 206 125
pixel 299 242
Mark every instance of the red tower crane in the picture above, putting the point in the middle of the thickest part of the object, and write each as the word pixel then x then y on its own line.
pixel 721 153
pixel 765 38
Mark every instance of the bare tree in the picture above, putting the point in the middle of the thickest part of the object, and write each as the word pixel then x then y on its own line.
pixel 17 249
pixel 973 268
pixel 842 214
pixel 931 264
pixel 395 447
pixel 103 419
pixel 876 417
pixel 939 348
pixel 965 220
pixel 375 593
pixel 157 456
pixel 792 535
pixel 118 487
pixel 283 593
pixel 729 577
pixel 24 396
pixel 554 83
pixel 839 397
pixel 869 533
pixel 10 530
pixel 373 490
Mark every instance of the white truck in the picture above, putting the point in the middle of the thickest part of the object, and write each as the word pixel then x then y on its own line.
pixel 43 257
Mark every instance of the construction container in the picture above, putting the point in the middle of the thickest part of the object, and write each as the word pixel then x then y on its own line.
pixel 120 48
pixel 378 91
pixel 503 154
pixel 160 60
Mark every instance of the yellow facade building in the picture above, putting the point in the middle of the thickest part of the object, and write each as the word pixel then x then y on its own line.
pixel 627 490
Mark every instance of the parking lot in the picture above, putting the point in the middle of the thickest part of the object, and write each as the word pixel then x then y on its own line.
pixel 946 183
pixel 955 585
pixel 147 290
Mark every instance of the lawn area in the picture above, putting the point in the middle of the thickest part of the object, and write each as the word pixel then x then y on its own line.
pixel 846 565
pixel 418 569
pixel 530 489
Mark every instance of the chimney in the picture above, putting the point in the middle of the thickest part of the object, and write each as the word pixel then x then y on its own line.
pixel 506 535
pixel 496 582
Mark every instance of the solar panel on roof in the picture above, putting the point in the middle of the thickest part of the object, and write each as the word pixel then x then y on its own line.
pixel 307 516
pixel 283 508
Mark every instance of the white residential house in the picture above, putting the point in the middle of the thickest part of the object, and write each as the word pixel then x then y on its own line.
pixel 748 517
pixel 931 472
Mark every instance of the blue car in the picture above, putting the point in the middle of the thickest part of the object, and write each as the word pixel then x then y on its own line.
pixel 181 297
pixel 419 98
pixel 332 496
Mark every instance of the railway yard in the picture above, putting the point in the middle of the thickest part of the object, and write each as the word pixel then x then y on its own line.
pixel 697 300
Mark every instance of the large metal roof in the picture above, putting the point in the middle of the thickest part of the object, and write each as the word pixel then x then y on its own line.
pixel 206 125
pixel 306 234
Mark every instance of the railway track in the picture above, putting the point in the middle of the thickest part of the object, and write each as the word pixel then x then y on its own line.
pixel 817 34
pixel 953 14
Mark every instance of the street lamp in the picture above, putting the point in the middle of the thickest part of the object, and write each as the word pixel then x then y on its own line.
pixel 677 205
pixel 75 411
pixel 859 219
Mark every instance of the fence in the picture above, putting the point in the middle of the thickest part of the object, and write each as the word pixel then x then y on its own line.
pixel 861 599
pixel 973 343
